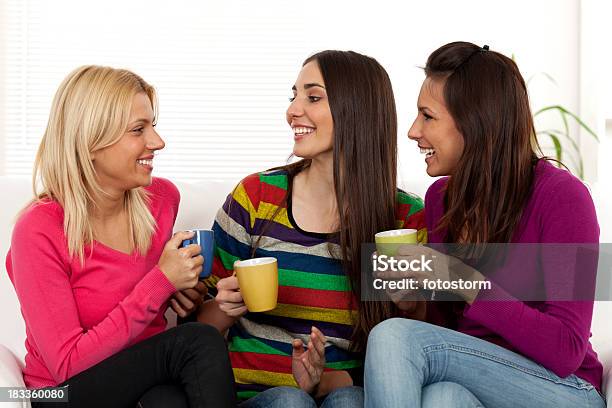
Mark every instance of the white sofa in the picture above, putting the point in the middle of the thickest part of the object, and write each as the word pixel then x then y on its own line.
pixel 199 203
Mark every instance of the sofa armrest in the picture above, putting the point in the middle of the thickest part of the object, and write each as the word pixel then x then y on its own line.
pixel 11 376
pixel 605 356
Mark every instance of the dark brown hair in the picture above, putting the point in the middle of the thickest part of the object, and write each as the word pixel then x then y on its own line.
pixel 487 98
pixel 362 105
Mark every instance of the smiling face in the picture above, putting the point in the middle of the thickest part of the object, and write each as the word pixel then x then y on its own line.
pixel 309 114
pixel 128 163
pixel 435 131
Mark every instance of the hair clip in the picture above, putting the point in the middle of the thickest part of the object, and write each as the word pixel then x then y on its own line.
pixel 484 48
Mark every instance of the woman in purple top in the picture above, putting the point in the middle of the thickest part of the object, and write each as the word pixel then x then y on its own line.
pixel 475 126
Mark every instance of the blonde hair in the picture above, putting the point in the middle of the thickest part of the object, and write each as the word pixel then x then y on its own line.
pixel 90 112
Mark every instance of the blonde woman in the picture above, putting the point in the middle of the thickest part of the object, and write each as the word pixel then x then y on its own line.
pixel 93 261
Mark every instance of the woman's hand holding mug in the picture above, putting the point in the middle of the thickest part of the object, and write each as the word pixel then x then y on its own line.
pixel 229 297
pixel 182 266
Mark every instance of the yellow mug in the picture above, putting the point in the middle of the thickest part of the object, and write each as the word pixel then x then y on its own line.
pixel 258 280
pixel 387 242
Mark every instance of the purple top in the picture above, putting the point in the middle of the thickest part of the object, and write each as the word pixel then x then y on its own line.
pixel 554 334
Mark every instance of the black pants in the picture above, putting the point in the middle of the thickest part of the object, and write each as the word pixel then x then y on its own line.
pixel 186 366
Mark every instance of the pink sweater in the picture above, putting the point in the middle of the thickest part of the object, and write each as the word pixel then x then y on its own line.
pixel 552 333
pixel 77 316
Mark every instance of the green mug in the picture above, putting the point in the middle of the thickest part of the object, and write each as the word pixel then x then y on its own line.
pixel 387 242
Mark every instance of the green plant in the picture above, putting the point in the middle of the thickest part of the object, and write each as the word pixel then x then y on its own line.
pixel 557 136
pixel 565 145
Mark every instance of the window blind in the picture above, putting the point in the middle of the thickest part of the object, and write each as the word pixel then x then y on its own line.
pixel 223 76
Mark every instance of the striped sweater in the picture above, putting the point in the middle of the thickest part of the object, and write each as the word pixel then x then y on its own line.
pixel 313 289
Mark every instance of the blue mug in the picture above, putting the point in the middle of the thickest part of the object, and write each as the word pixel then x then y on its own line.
pixel 206 240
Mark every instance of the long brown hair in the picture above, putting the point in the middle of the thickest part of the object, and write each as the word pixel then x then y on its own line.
pixel 362 105
pixel 487 98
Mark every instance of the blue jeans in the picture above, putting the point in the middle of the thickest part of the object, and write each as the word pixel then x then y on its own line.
pixel 416 364
pixel 290 397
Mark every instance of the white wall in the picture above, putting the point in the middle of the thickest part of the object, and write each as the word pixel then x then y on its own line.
pixel 543 35
pixel 3 45
pixel 596 105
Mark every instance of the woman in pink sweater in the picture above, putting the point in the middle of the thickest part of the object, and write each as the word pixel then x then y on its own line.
pixel 94 262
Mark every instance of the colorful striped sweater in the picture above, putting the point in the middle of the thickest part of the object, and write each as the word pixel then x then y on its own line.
pixel 313 289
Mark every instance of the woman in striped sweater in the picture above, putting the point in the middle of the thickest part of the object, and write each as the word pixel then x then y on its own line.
pixel 313 216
